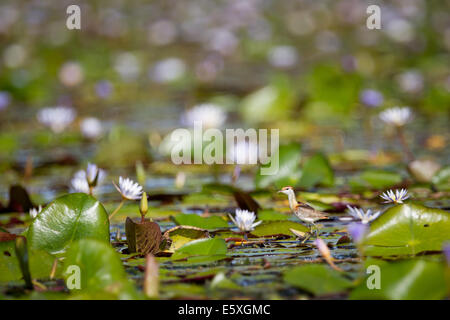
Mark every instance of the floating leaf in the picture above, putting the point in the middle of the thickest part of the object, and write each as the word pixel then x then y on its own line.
pixel 195 220
pixel 100 269
pixel 442 178
pixel 201 247
pixel 289 168
pixel 143 236
pixel 403 280
pixel 181 235
pixel 40 263
pixel 379 179
pixel 245 201
pixel 272 215
pixel 408 229
pixel 316 171
pixel 68 218
pixel 278 227
pixel 318 279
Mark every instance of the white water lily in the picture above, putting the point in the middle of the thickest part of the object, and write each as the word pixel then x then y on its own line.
pixel 397 116
pixel 91 174
pixel 129 189
pixel 84 180
pixel 79 182
pixel 210 115
pixel 56 118
pixel 35 211
pixel 91 128
pixel 396 197
pixel 364 216
pixel 245 220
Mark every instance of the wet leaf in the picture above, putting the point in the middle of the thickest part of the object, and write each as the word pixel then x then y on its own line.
pixel 68 218
pixel 408 229
pixel 143 236
pixel 318 279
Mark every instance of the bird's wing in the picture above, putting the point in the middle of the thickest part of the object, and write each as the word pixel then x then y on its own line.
pixel 314 212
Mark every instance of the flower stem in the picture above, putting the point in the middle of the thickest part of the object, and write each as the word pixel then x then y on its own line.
pixel 117 209
pixel 401 137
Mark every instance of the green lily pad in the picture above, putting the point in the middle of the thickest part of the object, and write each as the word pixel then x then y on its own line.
pixel 272 215
pixel 278 227
pixel 101 270
pixel 404 280
pixel 181 235
pixel 379 179
pixel 289 168
pixel 68 218
pixel 316 171
pixel 408 229
pixel 40 263
pixel 318 279
pixel 442 179
pixel 194 220
pixel 201 247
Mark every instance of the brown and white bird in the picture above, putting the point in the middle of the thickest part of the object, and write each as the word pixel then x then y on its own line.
pixel 304 212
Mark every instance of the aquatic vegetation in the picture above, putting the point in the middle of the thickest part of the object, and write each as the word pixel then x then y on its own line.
pixel 369 175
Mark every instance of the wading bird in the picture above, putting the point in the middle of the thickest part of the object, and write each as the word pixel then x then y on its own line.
pixel 303 211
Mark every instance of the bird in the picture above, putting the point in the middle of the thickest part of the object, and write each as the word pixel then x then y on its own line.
pixel 303 211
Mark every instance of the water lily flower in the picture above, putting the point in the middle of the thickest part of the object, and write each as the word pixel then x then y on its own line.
pixel 129 189
pixel 86 180
pixel 396 197
pixel 446 251
pixel 79 182
pixel 357 231
pixel 371 98
pixel 397 116
pixel 35 211
pixel 364 216
pixel 56 118
pixel 91 128
pixel 245 220
pixel 210 115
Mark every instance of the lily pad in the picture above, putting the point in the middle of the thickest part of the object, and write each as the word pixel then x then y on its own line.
pixel 318 279
pixel 278 227
pixel 181 235
pixel 69 218
pixel 404 280
pixel 289 168
pixel 195 220
pixel 100 268
pixel 317 170
pixel 380 179
pixel 201 247
pixel 408 229
pixel 272 215
pixel 40 263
